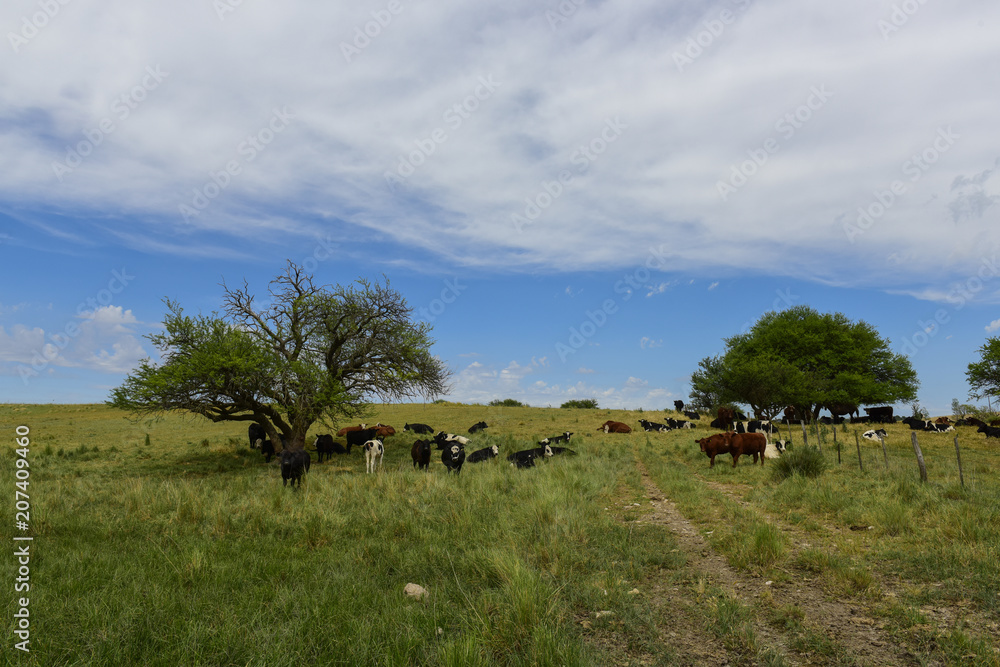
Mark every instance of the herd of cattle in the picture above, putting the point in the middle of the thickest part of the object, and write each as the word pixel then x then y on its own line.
pixel 740 436
pixel 295 463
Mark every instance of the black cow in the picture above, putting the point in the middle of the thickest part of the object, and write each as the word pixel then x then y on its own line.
pixel 484 454
pixel 990 431
pixel 915 424
pixel 256 434
pixel 359 438
pixel 525 459
pixel 324 446
pixel 421 454
pixel 556 451
pixel 880 415
pixel 679 406
pixel 418 428
pixel 293 465
pixel 453 457
pixel 267 449
pixel 691 414
pixel 477 427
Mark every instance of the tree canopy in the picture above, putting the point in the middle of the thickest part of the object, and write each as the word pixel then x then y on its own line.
pixel 313 353
pixel 984 375
pixel 809 360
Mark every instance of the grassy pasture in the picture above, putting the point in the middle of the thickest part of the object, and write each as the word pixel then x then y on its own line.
pixel 187 550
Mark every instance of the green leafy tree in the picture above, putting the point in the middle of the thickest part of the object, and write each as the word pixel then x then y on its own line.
pixel 984 375
pixel 586 404
pixel 314 353
pixel 810 360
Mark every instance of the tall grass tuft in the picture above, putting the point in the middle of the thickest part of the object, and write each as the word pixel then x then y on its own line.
pixel 805 461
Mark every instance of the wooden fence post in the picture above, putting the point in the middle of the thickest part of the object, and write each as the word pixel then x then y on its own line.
pixel 885 452
pixel 836 444
pixel 805 440
pixel 958 454
pixel 857 442
pixel 920 456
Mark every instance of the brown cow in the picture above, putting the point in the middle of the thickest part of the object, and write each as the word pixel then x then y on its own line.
pixel 746 443
pixel 713 446
pixel 384 431
pixel 615 427
pixel 726 415
pixel 348 429
pixel 942 420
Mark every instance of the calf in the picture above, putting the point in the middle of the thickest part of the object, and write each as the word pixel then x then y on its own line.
pixel 746 443
pixel 293 465
pixel 774 450
pixel 874 435
pixel 421 454
pixel 484 454
pixel 374 450
pixel 477 427
pixel 543 452
pixel 324 446
pixel 615 427
pixel 453 457
pixel 418 428
pixel 556 438
pixel 714 445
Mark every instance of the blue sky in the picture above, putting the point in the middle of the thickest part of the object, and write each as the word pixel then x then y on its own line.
pixel 584 198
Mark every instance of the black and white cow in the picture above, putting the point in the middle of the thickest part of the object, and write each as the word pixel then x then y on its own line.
pixel 874 434
pixel 679 423
pixel 556 438
pixel 442 439
pixel 374 451
pixel 453 457
pixel 653 426
pixel 256 433
pixel 755 426
pixel 484 454
pixel 526 458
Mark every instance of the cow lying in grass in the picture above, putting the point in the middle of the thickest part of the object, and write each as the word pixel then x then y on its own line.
pixel 484 454
pixel 874 435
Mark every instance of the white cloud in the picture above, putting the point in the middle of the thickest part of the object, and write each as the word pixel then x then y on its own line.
pixel 647 343
pixel 585 371
pixel 636 383
pixel 713 286
pixel 993 326
pixel 661 155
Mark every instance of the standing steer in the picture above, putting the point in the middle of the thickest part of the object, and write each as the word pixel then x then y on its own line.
pixel 293 465
pixel 374 450
pixel 746 443
pixel 714 445
pixel 421 454
pixel 453 457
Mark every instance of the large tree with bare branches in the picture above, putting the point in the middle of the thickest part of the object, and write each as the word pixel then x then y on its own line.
pixel 312 353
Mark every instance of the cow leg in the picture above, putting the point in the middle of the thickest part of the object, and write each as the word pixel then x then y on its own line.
pixel 736 457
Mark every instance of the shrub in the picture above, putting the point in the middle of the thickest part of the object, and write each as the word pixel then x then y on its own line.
pixel 508 403
pixel 806 461
pixel 587 403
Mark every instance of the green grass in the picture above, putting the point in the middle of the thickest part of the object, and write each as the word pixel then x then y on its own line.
pixel 171 542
